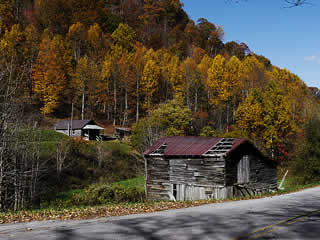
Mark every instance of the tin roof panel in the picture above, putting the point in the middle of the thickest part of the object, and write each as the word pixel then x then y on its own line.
pixel 189 145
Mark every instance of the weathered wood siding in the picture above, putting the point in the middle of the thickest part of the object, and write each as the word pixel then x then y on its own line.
pixel 262 175
pixel 243 170
pixel 75 133
pixel 186 178
pixel 157 179
pixel 197 178
pixel 201 171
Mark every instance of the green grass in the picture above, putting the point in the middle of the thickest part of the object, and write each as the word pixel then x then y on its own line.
pixel 64 196
pixel 128 185
pixel 134 182
pixel 42 135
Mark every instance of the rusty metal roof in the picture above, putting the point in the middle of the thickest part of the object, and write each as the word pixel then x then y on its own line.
pixel 189 145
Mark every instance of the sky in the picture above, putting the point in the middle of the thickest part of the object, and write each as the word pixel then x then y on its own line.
pixel 288 37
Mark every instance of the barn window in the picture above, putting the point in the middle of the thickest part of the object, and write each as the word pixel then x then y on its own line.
pixel 160 150
pixel 244 170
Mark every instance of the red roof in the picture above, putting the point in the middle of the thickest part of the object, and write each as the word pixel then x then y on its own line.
pixel 189 145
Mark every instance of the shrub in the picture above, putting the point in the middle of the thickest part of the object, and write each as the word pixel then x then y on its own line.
pixel 97 194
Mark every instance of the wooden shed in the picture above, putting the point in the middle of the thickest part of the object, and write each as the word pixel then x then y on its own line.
pixel 193 168
pixel 88 129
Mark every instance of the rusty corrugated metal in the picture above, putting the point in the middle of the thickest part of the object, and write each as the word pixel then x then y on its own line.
pixel 189 145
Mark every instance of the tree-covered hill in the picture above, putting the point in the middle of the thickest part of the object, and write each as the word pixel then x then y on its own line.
pixel 118 60
pixel 140 63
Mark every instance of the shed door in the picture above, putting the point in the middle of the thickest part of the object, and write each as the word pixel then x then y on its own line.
pixel 244 170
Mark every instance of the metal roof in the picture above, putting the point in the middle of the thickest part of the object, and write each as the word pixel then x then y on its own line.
pixel 93 127
pixel 190 145
pixel 76 124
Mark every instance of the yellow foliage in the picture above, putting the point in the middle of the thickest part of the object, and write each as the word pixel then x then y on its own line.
pixel 176 77
pixel 49 73
pixel 217 84
pixel 150 78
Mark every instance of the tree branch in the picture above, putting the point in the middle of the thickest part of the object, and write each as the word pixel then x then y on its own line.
pixel 289 3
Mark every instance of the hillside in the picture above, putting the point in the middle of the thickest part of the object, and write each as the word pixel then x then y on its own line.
pixel 143 64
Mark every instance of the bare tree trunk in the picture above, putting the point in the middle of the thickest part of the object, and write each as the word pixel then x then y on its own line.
pixel 82 106
pixel 196 101
pixel 115 102
pixel 125 115
pixel 100 155
pixel 61 155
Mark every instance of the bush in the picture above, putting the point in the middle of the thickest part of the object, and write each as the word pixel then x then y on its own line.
pixel 97 194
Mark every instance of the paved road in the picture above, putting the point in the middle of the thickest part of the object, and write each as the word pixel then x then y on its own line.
pixel 291 216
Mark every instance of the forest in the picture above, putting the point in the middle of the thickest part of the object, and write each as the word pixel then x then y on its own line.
pixel 142 64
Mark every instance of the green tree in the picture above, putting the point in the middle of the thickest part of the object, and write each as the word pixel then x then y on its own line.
pixel 308 160
pixel 170 119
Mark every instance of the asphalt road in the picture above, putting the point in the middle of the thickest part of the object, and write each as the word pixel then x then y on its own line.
pixel 291 216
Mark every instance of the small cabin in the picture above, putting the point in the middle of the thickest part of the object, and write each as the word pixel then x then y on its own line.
pixel 122 133
pixel 194 168
pixel 86 129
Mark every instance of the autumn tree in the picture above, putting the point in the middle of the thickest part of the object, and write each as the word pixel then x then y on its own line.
pixel 104 85
pixel 85 82
pixel 123 40
pixel 268 115
pixel 123 43
pixel 249 116
pixel 253 74
pixel 127 81
pixel 235 49
pixel 18 155
pixel 233 84
pixel 176 78
pixel 150 81
pixel 279 126
pixel 297 93
pixel 77 36
pixel 138 62
pixel 97 43
pixel 216 81
pixel 11 52
pixel 50 71
pixel 32 41
pixel 193 83
pixel 6 15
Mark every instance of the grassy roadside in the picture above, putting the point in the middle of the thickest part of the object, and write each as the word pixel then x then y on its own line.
pixel 121 209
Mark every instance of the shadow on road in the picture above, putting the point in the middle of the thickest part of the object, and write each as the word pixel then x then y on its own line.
pixel 201 225
pixel 70 234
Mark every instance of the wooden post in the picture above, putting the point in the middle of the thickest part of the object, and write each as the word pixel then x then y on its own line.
pixel 282 181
